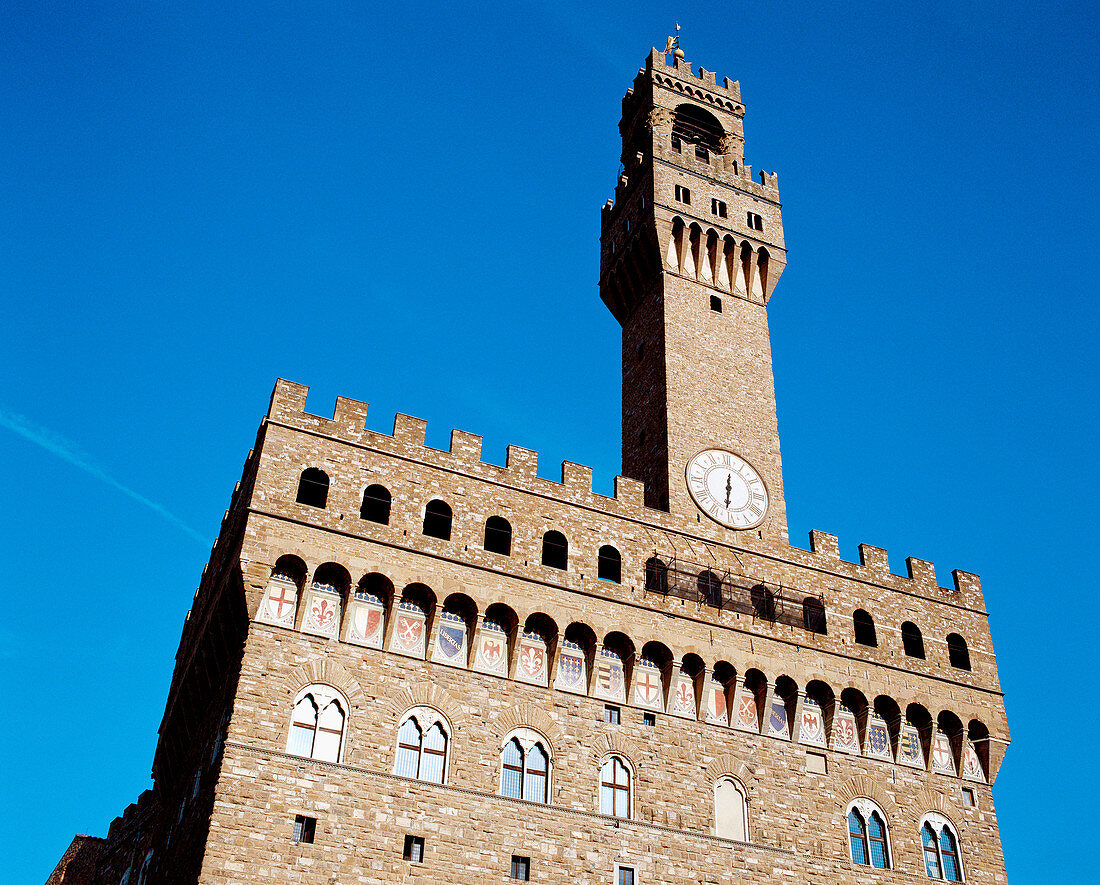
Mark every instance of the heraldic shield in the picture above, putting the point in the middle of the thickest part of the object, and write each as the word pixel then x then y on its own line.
pixel 746 712
pixel 609 676
pixel 408 630
pixel 279 603
pixel 572 675
pixel 811 726
pixel 322 611
pixel 647 685
pixel 451 641
pixel 366 620
pixel 972 764
pixel 681 695
pixel 943 759
pixel 910 751
pixel 878 738
pixel 717 710
pixel 532 659
pixel 845 734
pixel 777 719
pixel 492 649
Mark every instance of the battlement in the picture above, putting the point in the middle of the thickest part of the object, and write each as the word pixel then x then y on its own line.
pixel 702 85
pixel 288 402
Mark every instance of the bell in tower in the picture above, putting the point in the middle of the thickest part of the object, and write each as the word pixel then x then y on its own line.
pixel 692 247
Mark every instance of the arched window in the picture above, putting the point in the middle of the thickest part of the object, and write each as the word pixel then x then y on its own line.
pixel 555 550
pixel 867 834
pixel 957 652
pixel 313 487
pixel 525 767
pixel 710 588
pixel 813 614
pixel 912 641
pixel 422 746
pixel 696 126
pixel 317 724
pixel 864 626
pixel 615 788
pixel 437 520
pixel 609 564
pixel 498 535
pixel 376 504
pixel 730 810
pixel 941 849
pixel 656 575
pixel 763 602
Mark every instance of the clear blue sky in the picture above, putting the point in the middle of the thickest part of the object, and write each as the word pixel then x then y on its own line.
pixel 400 203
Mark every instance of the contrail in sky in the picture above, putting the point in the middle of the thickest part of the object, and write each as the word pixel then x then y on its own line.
pixel 68 451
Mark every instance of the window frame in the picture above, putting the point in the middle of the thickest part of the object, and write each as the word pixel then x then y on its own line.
pixel 938 823
pixel 740 788
pixel 425 718
pixel 865 809
pixel 616 787
pixel 318 691
pixel 520 864
pixel 619 867
pixel 528 739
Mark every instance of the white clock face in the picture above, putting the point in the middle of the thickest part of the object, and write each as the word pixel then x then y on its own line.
pixel 727 489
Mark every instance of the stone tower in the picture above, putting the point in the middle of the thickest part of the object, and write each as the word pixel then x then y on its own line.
pixel 692 248
pixel 409 665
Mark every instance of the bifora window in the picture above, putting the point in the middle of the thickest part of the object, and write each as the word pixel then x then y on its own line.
pixel 615 788
pixel 422 746
pixel 867 834
pixel 525 767
pixel 317 724
pixel 941 849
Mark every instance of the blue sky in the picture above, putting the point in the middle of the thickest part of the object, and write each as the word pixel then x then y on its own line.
pixel 400 203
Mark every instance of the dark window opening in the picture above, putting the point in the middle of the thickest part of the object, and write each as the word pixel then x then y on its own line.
pixel 864 626
pixel 957 652
pixel 612 715
pixel 498 535
pixel 813 615
pixel 715 303
pixel 641 349
pixel 521 868
pixel 656 576
pixel 683 194
pixel 305 828
pixel 437 520
pixel 555 550
pixel 763 602
pixel 755 221
pixel 609 564
pixel 698 127
pixel 710 588
pixel 376 504
pixel 649 720
pixel 912 641
pixel 968 797
pixel 717 207
pixel 313 488
pixel 414 849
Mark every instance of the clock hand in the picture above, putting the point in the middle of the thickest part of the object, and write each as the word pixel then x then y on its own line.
pixel 729 487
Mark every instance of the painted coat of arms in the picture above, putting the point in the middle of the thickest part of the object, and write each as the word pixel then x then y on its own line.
pixel 746 712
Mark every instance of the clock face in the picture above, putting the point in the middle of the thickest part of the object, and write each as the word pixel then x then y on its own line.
pixel 727 489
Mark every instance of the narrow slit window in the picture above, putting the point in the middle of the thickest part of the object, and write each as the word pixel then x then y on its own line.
pixel 715 303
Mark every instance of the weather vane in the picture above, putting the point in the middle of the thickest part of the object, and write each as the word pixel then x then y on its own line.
pixel 672 44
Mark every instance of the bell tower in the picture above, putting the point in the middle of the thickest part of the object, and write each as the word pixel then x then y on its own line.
pixel 691 249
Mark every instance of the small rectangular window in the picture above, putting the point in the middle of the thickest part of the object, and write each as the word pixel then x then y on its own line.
pixel 305 828
pixel 717 207
pixel 715 303
pixel 612 715
pixel 521 868
pixel 755 221
pixel 625 876
pixel 968 797
pixel 649 720
pixel 816 763
pixel 414 849
pixel 683 194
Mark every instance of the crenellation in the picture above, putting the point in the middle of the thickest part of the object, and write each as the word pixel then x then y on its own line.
pixel 824 544
pixel 875 560
pixel 350 417
pixel 467 446
pixel 409 431
pixel 522 462
pixel 576 478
